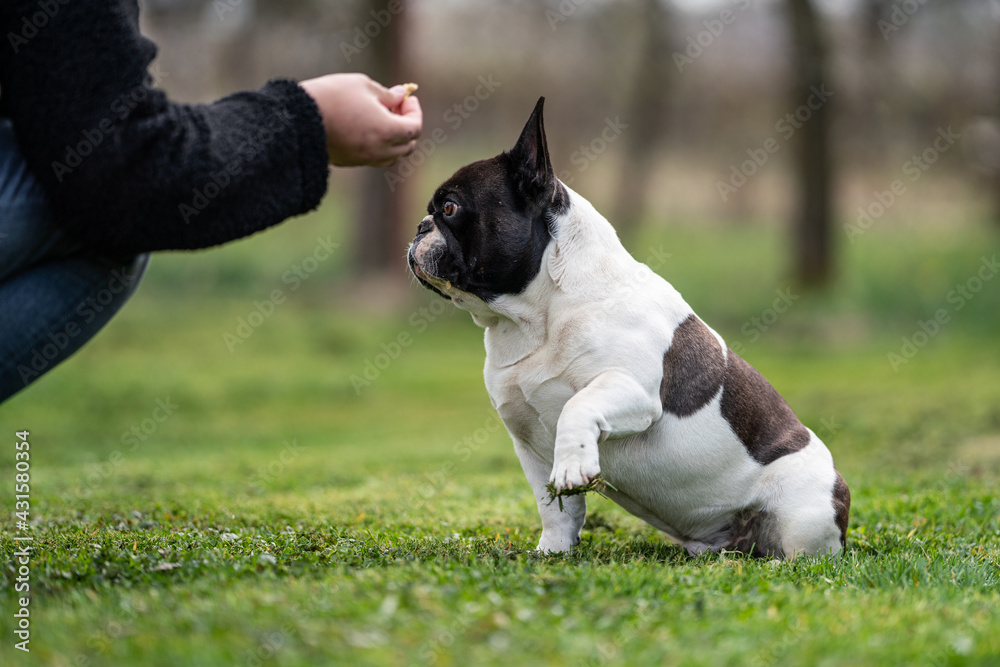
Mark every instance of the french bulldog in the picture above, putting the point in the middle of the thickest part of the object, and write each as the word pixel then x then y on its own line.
pixel 598 367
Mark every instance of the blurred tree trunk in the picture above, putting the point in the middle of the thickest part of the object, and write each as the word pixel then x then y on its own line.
pixel 875 80
pixel 813 211
pixel 647 113
pixel 383 218
pixel 996 119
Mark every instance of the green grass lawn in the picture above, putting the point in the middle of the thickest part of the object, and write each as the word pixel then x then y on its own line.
pixel 196 506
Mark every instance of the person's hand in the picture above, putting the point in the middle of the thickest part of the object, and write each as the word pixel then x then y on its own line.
pixel 366 123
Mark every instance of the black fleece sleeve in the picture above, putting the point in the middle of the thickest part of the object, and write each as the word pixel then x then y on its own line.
pixel 125 169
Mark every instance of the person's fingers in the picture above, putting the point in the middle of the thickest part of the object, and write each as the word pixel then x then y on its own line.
pixel 401 150
pixel 398 92
pixel 390 98
pixel 407 124
pixel 411 108
pixel 406 149
pixel 393 153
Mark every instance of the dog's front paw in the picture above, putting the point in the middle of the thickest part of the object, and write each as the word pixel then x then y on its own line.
pixel 557 544
pixel 575 470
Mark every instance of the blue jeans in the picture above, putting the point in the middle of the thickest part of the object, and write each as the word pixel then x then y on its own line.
pixel 54 295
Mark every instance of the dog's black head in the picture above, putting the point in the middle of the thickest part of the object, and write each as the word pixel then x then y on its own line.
pixel 489 224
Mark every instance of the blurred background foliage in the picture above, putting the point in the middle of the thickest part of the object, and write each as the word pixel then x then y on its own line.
pixel 815 269
pixel 739 146
pixel 653 105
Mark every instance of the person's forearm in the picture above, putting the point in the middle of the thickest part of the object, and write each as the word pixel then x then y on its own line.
pixel 128 171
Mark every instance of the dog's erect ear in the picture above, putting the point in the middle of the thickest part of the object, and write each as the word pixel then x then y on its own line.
pixel 532 169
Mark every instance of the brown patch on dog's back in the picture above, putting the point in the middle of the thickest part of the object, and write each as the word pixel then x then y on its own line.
pixel 693 369
pixel 841 506
pixel 758 414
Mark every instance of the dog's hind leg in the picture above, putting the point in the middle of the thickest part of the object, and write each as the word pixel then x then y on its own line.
pixel 756 533
pixel 561 524
pixel 810 502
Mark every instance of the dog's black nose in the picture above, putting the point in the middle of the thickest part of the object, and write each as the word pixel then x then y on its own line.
pixel 424 226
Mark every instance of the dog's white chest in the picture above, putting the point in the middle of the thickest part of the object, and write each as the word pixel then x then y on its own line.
pixel 530 403
pixel 580 344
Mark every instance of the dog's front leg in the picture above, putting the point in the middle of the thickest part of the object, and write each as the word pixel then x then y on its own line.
pixel 560 528
pixel 613 405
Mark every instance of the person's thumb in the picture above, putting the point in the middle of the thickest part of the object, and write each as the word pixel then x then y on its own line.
pixel 392 97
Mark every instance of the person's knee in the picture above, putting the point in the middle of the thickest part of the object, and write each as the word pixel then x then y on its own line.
pixel 61 305
pixel 111 282
pixel 120 277
pixel 133 271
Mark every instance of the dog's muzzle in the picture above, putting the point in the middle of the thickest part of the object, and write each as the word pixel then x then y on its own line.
pixel 425 253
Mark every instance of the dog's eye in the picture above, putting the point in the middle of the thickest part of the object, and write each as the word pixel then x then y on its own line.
pixel 450 208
